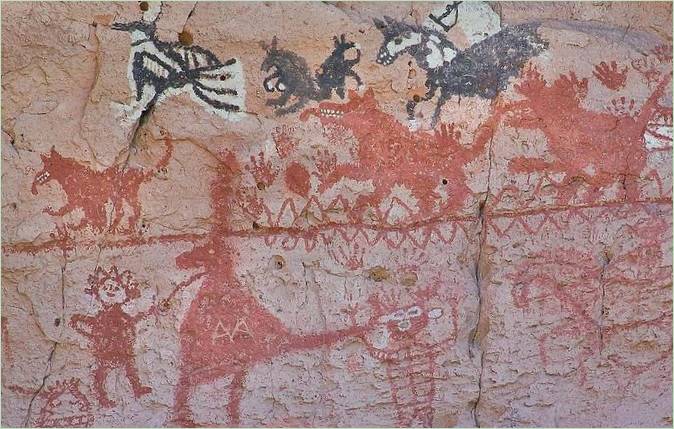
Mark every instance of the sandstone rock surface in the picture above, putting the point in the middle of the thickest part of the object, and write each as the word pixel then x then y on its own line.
pixel 336 214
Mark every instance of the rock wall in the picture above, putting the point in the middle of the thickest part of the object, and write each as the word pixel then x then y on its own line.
pixel 341 214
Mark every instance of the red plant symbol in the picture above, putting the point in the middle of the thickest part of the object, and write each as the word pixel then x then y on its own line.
pixel 352 257
pixel 90 190
pixel 226 331
pixel 389 154
pixel 112 332
pixel 610 76
pixel 401 340
pixel 66 406
pixel 599 148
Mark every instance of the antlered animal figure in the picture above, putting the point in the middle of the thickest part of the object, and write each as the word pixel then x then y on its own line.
pixel 599 148
pixel 389 154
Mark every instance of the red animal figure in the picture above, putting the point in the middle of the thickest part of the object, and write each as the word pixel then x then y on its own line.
pixel 226 330
pixel 568 278
pixel 90 190
pixel 390 154
pixel 66 406
pixel 601 148
pixel 112 331
pixel 402 340
pixel 580 285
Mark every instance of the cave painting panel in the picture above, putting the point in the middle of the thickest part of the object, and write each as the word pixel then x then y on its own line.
pixel 368 190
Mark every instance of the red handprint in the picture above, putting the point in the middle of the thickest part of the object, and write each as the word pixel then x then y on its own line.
pixel 263 171
pixel 610 75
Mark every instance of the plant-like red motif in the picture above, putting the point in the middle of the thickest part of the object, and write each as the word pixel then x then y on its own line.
pixel 112 332
pixel 66 406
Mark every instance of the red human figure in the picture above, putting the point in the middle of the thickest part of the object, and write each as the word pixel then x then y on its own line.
pixel 112 332
pixel 226 330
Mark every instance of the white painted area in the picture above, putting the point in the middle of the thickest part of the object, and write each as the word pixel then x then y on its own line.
pixel 477 20
pixel 153 11
pixel 405 42
pixel 448 54
pixel 131 113
pixel 590 169
pixel 435 313
pixel 435 58
pixel 658 136
pixel 413 125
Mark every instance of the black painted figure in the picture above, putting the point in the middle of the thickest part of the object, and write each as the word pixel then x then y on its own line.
pixel 159 69
pixel 291 76
pixel 482 70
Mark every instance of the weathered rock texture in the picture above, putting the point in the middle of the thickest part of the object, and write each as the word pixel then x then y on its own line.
pixel 229 214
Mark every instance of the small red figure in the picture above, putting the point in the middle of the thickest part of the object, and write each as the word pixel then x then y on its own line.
pixel 112 331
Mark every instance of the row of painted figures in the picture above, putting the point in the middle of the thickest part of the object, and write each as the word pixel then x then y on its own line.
pixel 397 332
pixel 593 150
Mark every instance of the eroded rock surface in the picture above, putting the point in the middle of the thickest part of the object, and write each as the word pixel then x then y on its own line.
pixel 336 214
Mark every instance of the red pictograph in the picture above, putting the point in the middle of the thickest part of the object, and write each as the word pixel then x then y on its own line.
pixel 410 329
pixel 65 406
pixel 611 76
pixel 389 154
pixel 6 349
pixel 112 332
pixel 597 149
pixel 90 190
pixel 226 330
pixel 284 140
pixel 585 286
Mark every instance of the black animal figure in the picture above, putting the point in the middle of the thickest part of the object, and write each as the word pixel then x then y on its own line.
pixel 159 69
pixel 293 78
pixel 482 70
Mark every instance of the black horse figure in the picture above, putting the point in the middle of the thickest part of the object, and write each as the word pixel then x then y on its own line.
pixel 161 69
pixel 482 70
pixel 293 78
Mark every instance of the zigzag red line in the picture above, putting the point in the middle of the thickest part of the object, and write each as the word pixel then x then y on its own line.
pixel 580 212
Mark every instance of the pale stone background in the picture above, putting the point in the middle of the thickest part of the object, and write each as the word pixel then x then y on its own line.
pixel 554 312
